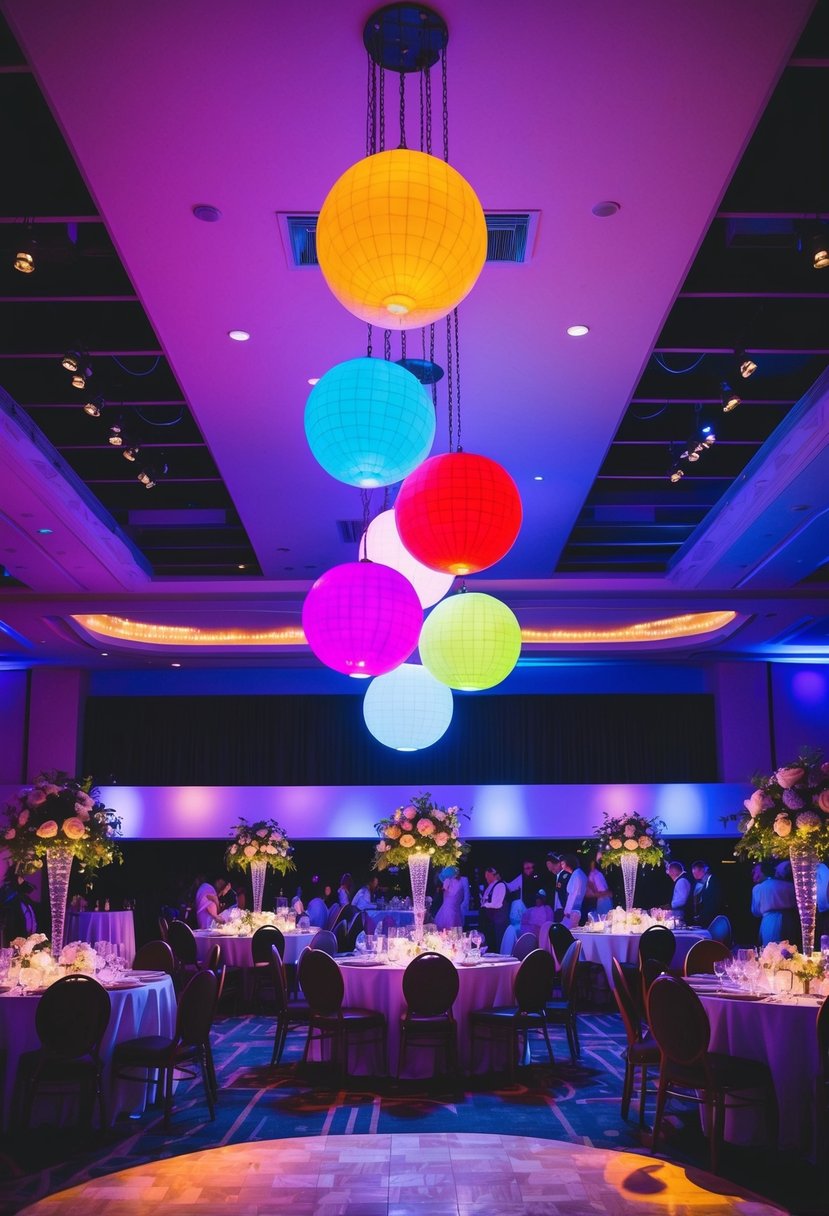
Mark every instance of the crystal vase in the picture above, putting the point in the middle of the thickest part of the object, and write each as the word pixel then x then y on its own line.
pixel 804 861
pixel 418 874
pixel 58 867
pixel 630 864
pixel 258 871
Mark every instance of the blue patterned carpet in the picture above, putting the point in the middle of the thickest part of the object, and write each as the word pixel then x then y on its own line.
pixel 579 1104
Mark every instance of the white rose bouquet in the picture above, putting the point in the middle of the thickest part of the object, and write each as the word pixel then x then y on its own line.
pixel 60 812
pixel 421 827
pixel 633 834
pixel 264 841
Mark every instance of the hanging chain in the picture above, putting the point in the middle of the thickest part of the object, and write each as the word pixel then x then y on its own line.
pixel 371 108
pixel 432 360
pixel 365 499
pixel 387 344
pixel 420 79
pixel 403 343
pixel 368 341
pixel 449 384
pixel 402 109
pixel 458 381
pixel 428 82
pixel 382 104
pixel 445 107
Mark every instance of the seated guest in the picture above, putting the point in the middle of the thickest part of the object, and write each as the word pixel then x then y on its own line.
pixel 226 894
pixel 317 910
pixel 774 902
pixel 366 896
pixel 539 914
pixel 206 903
pixel 575 890
pixel 681 901
pixel 450 913
pixel 345 890
pixel 597 897
pixel 707 900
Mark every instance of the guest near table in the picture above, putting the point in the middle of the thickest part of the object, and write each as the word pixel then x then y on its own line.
pixel 525 885
pixel 493 917
pixel 707 897
pixel 450 913
pixel 681 897
pixel 575 890
pixel 773 902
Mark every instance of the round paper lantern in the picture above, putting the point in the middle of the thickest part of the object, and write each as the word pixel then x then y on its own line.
pixel 470 641
pixel 458 512
pixel 401 239
pixel 408 709
pixel 381 543
pixel 361 618
pixel 369 422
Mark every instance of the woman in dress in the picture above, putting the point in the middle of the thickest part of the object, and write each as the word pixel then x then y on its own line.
pixel 450 915
pixel 597 897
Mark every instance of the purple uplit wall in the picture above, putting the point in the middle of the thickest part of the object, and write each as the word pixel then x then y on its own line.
pixel 801 708
pixel 13 692
pixel 55 715
pixel 348 812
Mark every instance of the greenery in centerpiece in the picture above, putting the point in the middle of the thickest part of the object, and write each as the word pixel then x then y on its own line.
pixel 58 812
pixel 420 827
pixel 263 840
pixel 630 835
pixel 789 810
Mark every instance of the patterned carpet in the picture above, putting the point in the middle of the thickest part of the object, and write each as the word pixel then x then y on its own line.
pixel 576 1104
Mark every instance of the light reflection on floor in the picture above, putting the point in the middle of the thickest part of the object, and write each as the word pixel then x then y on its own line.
pixel 456 1174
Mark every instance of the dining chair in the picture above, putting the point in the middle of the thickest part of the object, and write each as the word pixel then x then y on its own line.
pixel 561 939
pixel 649 969
pixel 328 1019
pixel 281 1005
pixel 659 943
pixel 186 1051
pixel 821 1144
pixel 260 948
pixel 353 931
pixel 430 989
pixel 526 943
pixel 532 991
pixel 688 1070
pixel 163 927
pixel 703 954
pixel 338 912
pixel 642 1048
pixel 154 956
pixel 71 1019
pixel 563 1011
pixel 720 930
pixel 182 942
pixel 324 940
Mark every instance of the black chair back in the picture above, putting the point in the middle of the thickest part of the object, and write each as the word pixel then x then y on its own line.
pixel 213 959
pixel 353 932
pixel 321 981
pixel 658 943
pixel 534 981
pixel 569 964
pixel 626 1003
pixel 524 945
pixel 720 930
pixel 341 912
pixel 280 984
pixel 72 1017
pixel 154 956
pixel 262 941
pixel 561 939
pixel 182 943
pixel 430 985
pixel 196 1007
pixel 701 957
pixel 324 940
pixel 163 927
pixel 678 1021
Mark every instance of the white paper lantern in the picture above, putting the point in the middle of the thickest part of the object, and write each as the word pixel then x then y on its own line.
pixel 408 709
pixel 381 543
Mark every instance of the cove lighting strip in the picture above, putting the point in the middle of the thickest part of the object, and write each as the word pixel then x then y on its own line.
pixel 120 629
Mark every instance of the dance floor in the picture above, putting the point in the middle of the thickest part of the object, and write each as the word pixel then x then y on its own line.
pixel 456 1174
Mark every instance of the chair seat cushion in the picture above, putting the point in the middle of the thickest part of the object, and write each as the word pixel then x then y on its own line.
pixel 151 1048
pixel 644 1052
pixel 500 1014
pixel 353 1016
pixel 423 1019
pixel 729 1072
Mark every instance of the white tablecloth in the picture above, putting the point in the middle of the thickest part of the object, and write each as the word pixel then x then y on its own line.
pixel 604 947
pixel 148 1009
pixel 116 927
pixel 381 988
pixel 236 951
pixel 782 1034
pixel 378 920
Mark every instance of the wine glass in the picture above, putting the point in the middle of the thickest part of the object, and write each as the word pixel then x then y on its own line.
pixel 721 970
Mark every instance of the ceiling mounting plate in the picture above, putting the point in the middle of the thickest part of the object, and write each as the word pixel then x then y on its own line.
pixel 405 37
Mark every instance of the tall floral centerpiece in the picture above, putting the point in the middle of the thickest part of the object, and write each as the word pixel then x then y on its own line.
pixel 414 836
pixel 631 841
pixel 788 816
pixel 259 847
pixel 53 821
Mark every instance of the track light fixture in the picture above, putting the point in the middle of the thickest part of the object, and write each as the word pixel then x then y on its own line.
pixel 818 249
pixel 116 435
pixel 130 453
pixel 703 438
pixel 745 364
pixel 730 399
pixel 93 407
pixel 24 258
pixel 71 360
pixel 149 476
pixel 676 474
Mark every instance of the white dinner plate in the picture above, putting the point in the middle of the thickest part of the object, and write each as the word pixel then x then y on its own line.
pixel 117 985
pixel 146 975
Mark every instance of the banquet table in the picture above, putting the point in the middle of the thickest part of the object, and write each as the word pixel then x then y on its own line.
pixel 604 947
pixel 236 948
pixel 115 927
pixel 378 920
pixel 780 1032
pixel 380 987
pixel 148 1009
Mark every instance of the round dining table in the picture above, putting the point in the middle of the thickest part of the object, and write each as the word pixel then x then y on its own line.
pixel 146 1008
pixel 236 947
pixel 779 1031
pixel 370 984
pixel 604 947
pixel 115 927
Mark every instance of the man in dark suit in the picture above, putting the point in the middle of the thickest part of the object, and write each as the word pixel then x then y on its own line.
pixel 18 915
pixel 707 897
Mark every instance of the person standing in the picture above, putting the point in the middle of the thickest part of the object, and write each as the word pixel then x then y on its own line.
pixel 525 884
pixel 707 899
pixel 773 901
pixel 206 903
pixel 450 913
pixel 560 879
pixel 493 917
pixel 575 892
pixel 597 897
pixel 681 898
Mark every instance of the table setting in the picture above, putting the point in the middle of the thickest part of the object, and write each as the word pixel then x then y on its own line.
pixel 617 934
pixel 235 934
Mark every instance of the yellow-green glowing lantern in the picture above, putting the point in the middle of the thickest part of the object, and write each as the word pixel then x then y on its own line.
pixel 401 239
pixel 470 641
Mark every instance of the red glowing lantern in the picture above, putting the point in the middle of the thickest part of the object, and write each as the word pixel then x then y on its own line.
pixel 459 512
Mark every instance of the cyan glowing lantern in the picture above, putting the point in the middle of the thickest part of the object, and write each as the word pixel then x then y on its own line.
pixel 470 641
pixel 459 512
pixel 381 543
pixel 408 709
pixel 362 618
pixel 401 239
pixel 369 422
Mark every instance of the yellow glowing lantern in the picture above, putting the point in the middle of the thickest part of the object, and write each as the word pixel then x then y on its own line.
pixel 401 239
pixel 470 641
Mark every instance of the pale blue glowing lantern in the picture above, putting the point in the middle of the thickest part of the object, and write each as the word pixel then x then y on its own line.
pixel 369 422
pixel 408 709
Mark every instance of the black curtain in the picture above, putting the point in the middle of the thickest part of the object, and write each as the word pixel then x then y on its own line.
pixel 322 740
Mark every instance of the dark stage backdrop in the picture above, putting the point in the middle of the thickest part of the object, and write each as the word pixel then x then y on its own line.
pixel 322 740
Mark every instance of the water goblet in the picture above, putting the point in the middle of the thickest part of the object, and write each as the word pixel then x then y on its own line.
pixel 721 970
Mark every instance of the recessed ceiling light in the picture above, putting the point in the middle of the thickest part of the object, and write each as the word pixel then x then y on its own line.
pixel 45 531
pixel 238 335
pixel 578 331
pixel 312 380
pixel 538 477
pixel 606 208
pixel 207 213
pixel 104 654
pixel 175 664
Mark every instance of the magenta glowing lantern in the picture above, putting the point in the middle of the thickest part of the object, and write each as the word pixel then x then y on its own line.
pixel 362 618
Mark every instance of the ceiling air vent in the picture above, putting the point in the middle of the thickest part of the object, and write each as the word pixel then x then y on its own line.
pixel 510 237
pixel 350 530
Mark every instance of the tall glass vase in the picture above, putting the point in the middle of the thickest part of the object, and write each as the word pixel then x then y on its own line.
pixel 258 871
pixel 418 874
pixel 630 864
pixel 804 861
pixel 58 867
